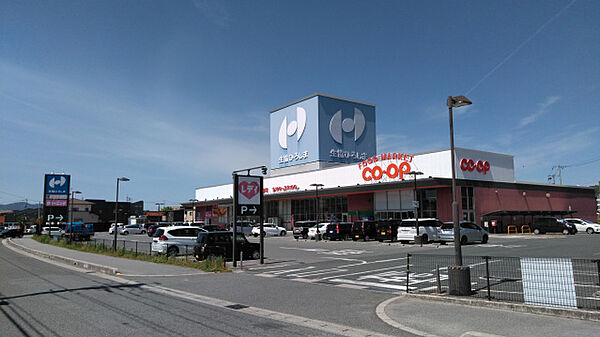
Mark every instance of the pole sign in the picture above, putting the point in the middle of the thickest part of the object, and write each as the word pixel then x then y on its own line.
pixel 56 198
pixel 249 195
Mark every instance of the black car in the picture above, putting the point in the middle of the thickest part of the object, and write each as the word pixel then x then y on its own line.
pixel 11 233
pixel 213 244
pixel 301 228
pixel 548 224
pixel 364 229
pixel 387 230
pixel 338 231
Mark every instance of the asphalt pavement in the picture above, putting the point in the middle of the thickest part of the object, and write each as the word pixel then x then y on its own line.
pixel 357 308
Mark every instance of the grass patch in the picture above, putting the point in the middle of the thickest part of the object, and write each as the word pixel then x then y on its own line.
pixel 208 265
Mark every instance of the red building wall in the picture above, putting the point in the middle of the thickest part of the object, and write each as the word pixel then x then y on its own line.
pixel 360 202
pixel 444 204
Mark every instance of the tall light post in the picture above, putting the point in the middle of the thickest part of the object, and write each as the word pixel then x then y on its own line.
pixel 71 216
pixel 194 201
pixel 318 235
pixel 158 204
pixel 416 205
pixel 117 211
pixel 462 277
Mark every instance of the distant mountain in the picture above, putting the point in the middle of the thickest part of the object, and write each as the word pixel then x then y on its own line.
pixel 16 206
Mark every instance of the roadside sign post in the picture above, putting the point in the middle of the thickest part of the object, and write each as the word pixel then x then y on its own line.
pixel 247 201
pixel 56 198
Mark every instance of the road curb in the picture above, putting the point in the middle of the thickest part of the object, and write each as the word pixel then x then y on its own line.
pixel 72 262
pixel 516 307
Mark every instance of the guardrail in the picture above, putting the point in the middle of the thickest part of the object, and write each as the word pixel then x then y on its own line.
pixel 555 282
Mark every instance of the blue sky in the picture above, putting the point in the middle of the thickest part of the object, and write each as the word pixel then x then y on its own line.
pixel 175 94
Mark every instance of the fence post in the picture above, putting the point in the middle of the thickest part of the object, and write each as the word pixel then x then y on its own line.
pixel 437 274
pixel 598 269
pixel 102 243
pixel 123 246
pixel 136 248
pixel 487 275
pixel 407 270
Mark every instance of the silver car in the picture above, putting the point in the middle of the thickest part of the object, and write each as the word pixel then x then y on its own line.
pixel 469 232
pixel 132 229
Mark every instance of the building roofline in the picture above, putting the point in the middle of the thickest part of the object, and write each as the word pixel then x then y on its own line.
pixel 323 95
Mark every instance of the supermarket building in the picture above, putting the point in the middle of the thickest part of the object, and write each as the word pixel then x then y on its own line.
pixel 322 139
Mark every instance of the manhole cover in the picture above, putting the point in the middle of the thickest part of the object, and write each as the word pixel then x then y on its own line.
pixel 236 306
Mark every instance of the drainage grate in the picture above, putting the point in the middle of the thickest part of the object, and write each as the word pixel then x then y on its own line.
pixel 236 306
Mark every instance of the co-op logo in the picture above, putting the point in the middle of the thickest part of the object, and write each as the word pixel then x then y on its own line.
pixel 295 127
pixel 337 125
pixel 56 182
pixel 470 165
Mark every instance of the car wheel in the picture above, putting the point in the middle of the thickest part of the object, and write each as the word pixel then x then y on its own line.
pixel 565 231
pixel 403 242
pixel 198 257
pixel 484 239
pixel 463 240
pixel 424 238
pixel 367 238
pixel 172 251
pixel 255 255
pixel 255 235
pixel 590 231
pixel 282 233
pixel 305 236
pixel 143 232
pixel 125 233
pixel 536 231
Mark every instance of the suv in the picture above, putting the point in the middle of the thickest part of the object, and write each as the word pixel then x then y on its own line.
pixel 338 231
pixel 11 233
pixel 133 229
pixel 387 230
pixel 175 239
pixel 364 229
pixel 548 224
pixel 583 225
pixel 269 228
pixel 212 244
pixel 469 232
pixel 428 230
pixel 301 228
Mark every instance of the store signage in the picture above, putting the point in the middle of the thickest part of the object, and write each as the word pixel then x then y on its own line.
pixel 248 195
pixel 285 188
pixel 471 165
pixel 294 127
pixel 56 197
pixel 337 125
pixel 381 166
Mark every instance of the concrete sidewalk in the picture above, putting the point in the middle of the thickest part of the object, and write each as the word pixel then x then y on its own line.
pixel 418 315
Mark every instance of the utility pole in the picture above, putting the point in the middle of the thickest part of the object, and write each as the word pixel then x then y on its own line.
pixel 560 168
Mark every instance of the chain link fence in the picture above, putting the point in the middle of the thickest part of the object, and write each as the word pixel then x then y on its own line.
pixel 557 282
pixel 141 247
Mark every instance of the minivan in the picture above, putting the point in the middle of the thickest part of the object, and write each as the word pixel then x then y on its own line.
pixel 387 230
pixel 213 244
pixel 364 229
pixel 338 231
pixel 548 224
pixel 428 230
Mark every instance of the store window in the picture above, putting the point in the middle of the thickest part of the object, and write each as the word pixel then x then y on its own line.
pixel 428 203
pixel 306 209
pixel 272 209
pixel 468 203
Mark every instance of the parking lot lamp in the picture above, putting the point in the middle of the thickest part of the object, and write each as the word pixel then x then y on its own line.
pixel 459 277
pixel 71 217
pixel 117 211
pixel 318 234
pixel 194 201
pixel 416 205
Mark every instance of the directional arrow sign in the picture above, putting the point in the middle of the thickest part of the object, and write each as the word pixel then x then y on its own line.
pixel 245 210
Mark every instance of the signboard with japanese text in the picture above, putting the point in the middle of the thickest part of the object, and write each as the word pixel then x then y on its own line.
pixel 249 195
pixel 56 198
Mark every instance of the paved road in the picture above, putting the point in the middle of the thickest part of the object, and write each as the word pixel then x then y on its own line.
pixel 41 299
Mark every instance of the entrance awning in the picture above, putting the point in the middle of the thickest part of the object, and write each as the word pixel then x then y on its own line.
pixel 528 213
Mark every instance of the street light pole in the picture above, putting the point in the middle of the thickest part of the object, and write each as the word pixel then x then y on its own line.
pixel 117 211
pixel 317 209
pixel 416 204
pixel 71 216
pixel 460 278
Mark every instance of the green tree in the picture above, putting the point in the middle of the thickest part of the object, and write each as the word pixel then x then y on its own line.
pixel 166 208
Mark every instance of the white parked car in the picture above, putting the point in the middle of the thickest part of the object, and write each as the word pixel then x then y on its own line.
pixel 469 232
pixel 583 225
pixel 428 230
pixel 53 231
pixel 132 229
pixel 31 229
pixel 111 230
pixel 312 232
pixel 269 229
pixel 175 240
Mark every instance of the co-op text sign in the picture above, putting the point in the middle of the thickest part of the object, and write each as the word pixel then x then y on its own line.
pixel 249 195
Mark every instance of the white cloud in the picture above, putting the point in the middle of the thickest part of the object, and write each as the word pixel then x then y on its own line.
pixel 542 108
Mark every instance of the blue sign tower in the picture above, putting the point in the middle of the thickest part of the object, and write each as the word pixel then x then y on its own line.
pixel 320 131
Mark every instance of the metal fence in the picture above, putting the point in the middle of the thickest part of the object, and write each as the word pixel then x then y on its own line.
pixel 557 282
pixel 139 247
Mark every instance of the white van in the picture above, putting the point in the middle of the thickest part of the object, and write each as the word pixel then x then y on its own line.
pixel 428 230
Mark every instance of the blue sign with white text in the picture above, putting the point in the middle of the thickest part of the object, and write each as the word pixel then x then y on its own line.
pixel 57 184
